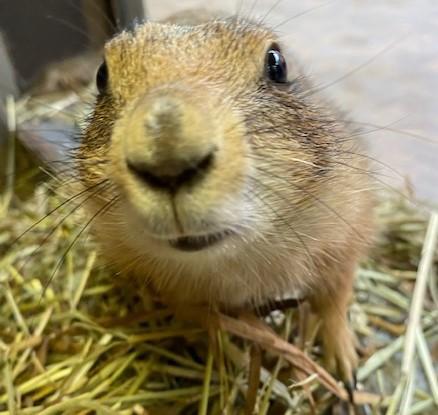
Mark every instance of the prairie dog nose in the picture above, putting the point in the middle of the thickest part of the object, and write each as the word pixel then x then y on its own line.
pixel 170 141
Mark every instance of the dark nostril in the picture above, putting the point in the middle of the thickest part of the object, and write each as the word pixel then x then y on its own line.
pixel 181 175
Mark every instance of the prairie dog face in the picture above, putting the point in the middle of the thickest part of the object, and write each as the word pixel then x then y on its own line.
pixel 219 178
pixel 206 141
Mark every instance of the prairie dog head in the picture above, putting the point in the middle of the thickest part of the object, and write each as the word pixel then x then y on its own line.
pixel 207 147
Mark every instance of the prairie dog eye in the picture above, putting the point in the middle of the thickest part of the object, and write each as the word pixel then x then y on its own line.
pixel 102 78
pixel 276 67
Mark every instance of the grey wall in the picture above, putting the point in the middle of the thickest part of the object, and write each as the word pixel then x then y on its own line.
pixel 38 32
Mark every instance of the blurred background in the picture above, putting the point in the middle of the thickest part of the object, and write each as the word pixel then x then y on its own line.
pixel 378 60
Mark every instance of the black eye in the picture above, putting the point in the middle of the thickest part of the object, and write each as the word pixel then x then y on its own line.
pixel 102 78
pixel 276 66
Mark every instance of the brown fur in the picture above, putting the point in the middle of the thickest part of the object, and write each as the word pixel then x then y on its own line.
pixel 286 177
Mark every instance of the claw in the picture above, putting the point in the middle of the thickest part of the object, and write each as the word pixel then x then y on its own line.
pixel 354 376
pixel 350 387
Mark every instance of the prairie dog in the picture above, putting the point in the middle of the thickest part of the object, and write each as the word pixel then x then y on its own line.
pixel 222 179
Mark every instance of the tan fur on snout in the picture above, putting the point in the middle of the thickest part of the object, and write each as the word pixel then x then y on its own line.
pixel 286 179
pixel 166 130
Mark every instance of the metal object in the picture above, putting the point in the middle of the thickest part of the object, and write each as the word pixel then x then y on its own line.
pixel 127 13
pixel 8 87
pixel 8 84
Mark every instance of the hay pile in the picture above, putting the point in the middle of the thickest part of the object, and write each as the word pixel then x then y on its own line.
pixel 78 344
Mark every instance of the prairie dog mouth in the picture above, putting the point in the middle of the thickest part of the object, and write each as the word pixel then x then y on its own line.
pixel 197 243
